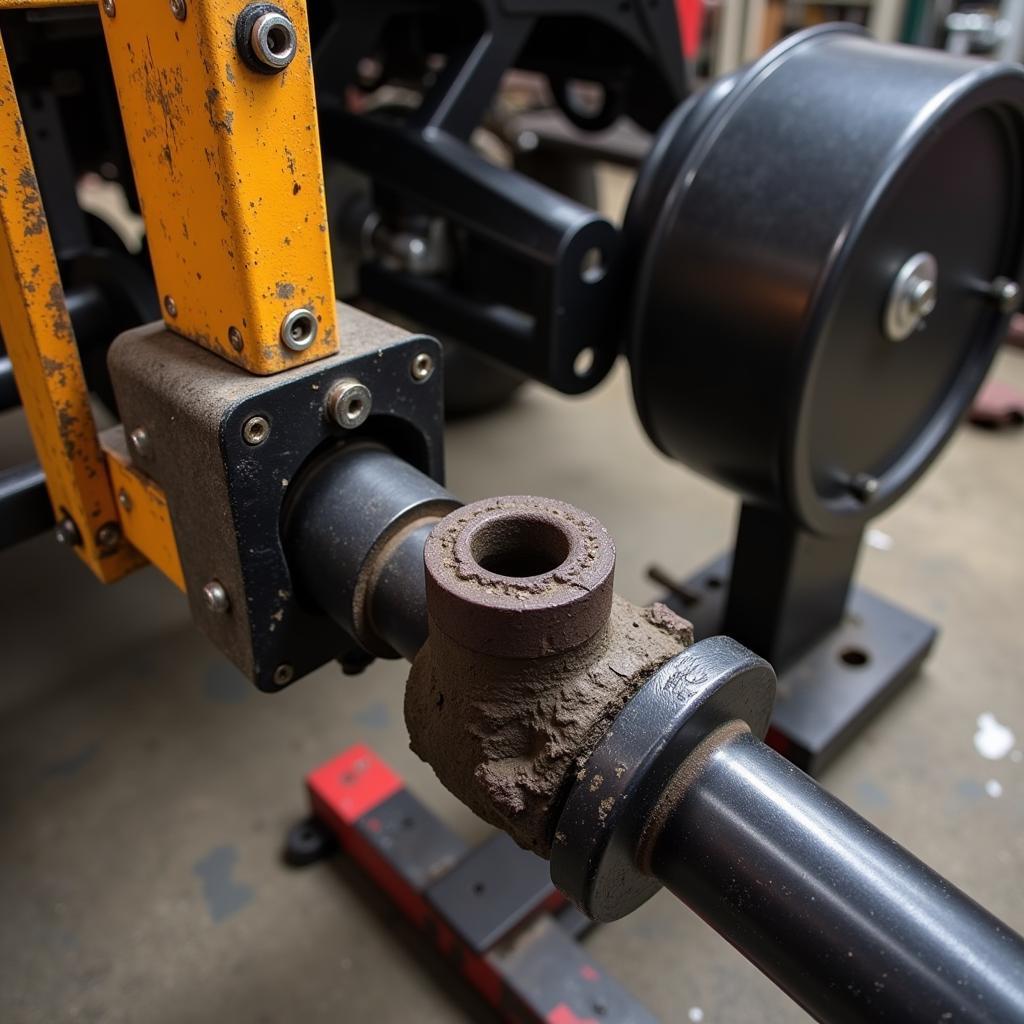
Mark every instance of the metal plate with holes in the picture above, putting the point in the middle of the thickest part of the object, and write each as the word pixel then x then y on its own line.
pixel 415 843
pixel 548 976
pixel 494 889
pixel 226 483
pixel 837 684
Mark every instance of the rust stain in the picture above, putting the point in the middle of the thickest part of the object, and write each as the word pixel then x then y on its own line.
pixel 31 203
pixel 285 290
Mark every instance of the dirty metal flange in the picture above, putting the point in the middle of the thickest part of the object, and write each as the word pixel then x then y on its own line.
pixel 519 577
pixel 596 858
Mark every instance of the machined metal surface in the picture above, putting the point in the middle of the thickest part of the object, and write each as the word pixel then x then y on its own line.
pixel 226 495
pixel 838 915
pixel 682 792
pixel 354 530
pixel 715 683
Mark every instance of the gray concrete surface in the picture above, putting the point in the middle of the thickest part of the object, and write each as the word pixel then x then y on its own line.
pixel 145 788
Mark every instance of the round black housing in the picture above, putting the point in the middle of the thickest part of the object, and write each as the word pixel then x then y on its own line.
pixel 822 237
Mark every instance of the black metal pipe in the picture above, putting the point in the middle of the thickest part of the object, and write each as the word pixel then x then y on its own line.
pixel 354 531
pixel 838 915
pixel 8 389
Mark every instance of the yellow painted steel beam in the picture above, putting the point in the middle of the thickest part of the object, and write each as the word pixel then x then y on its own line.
pixel 227 166
pixel 145 518
pixel 41 345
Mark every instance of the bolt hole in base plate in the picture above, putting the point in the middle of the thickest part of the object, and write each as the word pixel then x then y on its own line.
pixel 830 691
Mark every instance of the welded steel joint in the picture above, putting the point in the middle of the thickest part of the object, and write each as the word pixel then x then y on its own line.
pixel 530 656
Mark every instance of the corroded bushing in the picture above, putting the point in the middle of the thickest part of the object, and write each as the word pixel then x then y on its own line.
pixel 519 577
pixel 530 656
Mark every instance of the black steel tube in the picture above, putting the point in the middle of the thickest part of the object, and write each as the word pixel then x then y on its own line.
pixel 354 532
pixel 838 915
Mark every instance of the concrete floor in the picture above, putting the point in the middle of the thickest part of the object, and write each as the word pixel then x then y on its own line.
pixel 145 787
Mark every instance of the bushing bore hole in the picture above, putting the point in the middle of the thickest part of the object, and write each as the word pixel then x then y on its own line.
pixel 520 547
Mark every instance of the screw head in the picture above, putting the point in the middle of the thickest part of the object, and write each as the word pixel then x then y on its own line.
pixel 139 440
pixel 170 306
pixel 108 536
pixel 348 403
pixel 864 486
pixel 422 367
pixel 255 430
pixel 912 297
pixel 215 597
pixel 109 8
pixel 179 9
pixel 1006 293
pixel 67 533
pixel 298 330
pixel 235 339
pixel 124 499
pixel 273 40
pixel 283 675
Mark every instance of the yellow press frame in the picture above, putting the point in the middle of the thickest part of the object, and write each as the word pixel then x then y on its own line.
pixel 227 167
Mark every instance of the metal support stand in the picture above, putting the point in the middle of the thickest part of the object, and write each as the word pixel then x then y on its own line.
pixel 840 651
pixel 492 910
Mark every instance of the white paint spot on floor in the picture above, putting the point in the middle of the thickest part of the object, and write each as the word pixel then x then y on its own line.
pixel 994 788
pixel 993 739
pixel 880 540
pixel 696 1014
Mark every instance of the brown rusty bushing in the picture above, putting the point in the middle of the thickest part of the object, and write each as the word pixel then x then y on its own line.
pixel 519 577
pixel 529 658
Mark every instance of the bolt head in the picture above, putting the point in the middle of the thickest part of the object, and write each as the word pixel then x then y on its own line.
pixel 139 440
pixel 864 486
pixel 348 403
pixel 422 367
pixel 215 597
pixel 67 533
pixel 179 9
pixel 298 330
pixel 235 339
pixel 283 675
pixel 256 430
pixel 108 536
pixel 1007 294
pixel 124 499
pixel 109 8
pixel 273 40
pixel 170 306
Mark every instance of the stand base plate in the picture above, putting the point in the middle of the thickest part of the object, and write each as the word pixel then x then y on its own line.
pixel 828 693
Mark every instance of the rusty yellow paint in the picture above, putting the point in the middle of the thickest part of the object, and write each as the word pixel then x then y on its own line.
pixel 13 5
pixel 145 518
pixel 41 345
pixel 227 165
